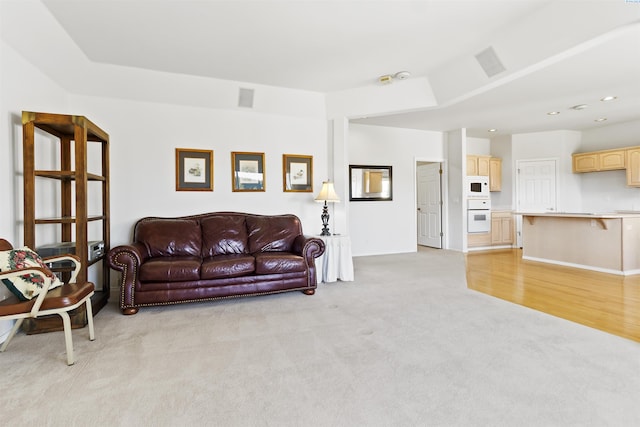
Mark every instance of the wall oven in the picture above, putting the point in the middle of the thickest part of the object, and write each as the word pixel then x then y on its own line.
pixel 477 186
pixel 479 215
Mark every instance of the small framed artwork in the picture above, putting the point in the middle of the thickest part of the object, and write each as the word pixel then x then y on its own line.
pixel 370 183
pixel 248 171
pixel 297 173
pixel 194 170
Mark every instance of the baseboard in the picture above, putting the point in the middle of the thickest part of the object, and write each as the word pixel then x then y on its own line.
pixel 582 266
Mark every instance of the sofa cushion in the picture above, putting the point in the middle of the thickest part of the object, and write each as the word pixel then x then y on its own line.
pixel 232 265
pixel 170 269
pixel 272 233
pixel 224 234
pixel 279 262
pixel 170 237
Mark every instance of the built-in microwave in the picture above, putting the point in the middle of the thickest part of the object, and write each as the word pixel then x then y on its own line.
pixel 477 186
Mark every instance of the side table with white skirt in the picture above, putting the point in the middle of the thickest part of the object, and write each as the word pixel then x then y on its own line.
pixel 336 263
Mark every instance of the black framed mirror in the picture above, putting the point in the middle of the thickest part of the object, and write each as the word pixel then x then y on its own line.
pixel 370 183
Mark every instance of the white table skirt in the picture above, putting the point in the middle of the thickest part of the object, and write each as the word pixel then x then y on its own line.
pixel 336 263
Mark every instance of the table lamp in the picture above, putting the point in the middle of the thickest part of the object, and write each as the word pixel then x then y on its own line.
pixel 327 194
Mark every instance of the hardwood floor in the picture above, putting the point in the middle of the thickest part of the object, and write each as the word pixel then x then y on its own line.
pixel 603 301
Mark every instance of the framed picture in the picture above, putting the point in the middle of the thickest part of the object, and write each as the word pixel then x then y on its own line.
pixel 297 173
pixel 248 171
pixel 370 183
pixel 194 170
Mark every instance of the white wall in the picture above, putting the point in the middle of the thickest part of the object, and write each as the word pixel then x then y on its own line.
pixel 383 227
pixel 501 147
pixel 456 152
pixel 143 138
pixel 22 86
pixel 478 146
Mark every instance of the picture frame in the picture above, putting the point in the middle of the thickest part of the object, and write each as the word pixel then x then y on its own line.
pixel 247 170
pixel 297 173
pixel 370 183
pixel 194 169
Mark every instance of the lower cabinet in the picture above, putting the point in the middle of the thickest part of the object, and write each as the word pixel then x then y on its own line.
pixel 502 232
pixel 478 239
pixel 501 228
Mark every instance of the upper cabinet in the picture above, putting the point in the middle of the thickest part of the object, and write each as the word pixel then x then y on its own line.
pixel 612 160
pixel 585 162
pixel 486 166
pixel 606 160
pixel 478 165
pixel 495 174
pixel 633 166
pixel 595 161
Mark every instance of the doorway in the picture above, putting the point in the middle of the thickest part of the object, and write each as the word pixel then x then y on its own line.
pixel 429 204
pixel 536 189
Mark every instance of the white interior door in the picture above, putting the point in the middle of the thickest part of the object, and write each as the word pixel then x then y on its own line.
pixel 536 190
pixel 429 213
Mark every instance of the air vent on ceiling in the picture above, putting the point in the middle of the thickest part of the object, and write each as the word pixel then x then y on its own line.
pixel 490 62
pixel 245 98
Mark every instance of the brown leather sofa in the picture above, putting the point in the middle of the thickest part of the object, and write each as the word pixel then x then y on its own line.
pixel 213 256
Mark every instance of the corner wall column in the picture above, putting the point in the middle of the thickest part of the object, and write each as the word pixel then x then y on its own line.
pixel 338 171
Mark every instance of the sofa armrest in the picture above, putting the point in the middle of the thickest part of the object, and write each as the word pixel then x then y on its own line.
pixel 127 259
pixel 309 247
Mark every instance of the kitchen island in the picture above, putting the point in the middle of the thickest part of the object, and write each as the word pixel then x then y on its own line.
pixel 606 242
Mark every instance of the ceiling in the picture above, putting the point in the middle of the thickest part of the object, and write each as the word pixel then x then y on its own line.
pixel 335 45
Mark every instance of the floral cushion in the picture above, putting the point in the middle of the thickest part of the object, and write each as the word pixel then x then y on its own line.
pixel 29 285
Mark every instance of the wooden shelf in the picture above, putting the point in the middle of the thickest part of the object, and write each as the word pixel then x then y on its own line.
pixel 64 125
pixel 68 219
pixel 72 134
pixel 67 175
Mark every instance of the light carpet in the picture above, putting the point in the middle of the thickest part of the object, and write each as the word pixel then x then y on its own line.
pixel 405 344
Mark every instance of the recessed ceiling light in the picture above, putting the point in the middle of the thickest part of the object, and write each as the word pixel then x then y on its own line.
pixel 553 113
pixel 601 119
pixel 579 107
pixel 608 98
pixel 492 130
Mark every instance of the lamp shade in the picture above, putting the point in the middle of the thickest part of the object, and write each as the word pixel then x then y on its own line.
pixel 327 193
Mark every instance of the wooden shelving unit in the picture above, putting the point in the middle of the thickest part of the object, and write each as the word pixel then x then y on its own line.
pixel 74 134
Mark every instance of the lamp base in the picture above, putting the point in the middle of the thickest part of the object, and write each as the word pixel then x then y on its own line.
pixel 325 220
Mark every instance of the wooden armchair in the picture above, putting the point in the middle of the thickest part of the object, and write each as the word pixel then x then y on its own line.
pixel 58 301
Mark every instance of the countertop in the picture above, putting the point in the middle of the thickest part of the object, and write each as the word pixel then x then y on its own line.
pixel 616 214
